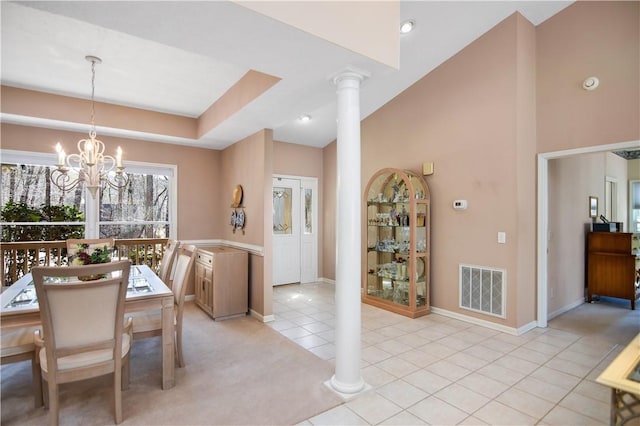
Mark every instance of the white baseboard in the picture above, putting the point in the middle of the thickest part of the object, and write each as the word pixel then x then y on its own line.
pixel 565 308
pixel 260 317
pixel 484 323
pixel 326 280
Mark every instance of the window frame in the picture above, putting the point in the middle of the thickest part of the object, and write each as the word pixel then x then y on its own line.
pixel 92 209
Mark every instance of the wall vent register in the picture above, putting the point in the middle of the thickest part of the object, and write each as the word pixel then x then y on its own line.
pixel 483 289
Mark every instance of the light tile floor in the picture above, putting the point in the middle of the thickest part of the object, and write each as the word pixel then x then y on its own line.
pixel 442 371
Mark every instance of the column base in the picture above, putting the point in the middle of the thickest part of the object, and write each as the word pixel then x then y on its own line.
pixel 344 391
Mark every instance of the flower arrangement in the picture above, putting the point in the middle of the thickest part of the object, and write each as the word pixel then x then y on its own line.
pixel 87 255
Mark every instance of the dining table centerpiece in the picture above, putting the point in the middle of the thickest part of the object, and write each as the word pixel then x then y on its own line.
pixel 88 254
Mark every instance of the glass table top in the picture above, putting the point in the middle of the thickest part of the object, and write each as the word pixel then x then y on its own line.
pixel 138 284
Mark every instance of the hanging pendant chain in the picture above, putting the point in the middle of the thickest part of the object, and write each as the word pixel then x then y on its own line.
pixel 93 87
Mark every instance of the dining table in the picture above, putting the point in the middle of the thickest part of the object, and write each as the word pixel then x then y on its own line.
pixel 145 291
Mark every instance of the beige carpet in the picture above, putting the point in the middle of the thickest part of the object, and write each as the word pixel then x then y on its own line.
pixel 238 372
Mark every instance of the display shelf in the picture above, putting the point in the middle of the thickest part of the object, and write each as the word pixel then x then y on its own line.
pixel 397 222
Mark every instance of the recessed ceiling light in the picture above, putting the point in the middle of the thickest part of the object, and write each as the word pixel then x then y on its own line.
pixel 407 26
pixel 304 118
pixel 590 83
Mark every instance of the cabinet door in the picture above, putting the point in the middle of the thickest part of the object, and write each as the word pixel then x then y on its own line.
pixel 203 287
pixel 207 285
pixel 199 283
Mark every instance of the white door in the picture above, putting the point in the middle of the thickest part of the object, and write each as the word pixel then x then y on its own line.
pixel 286 231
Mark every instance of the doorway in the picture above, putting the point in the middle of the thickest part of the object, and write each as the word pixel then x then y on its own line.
pixel 295 229
pixel 543 217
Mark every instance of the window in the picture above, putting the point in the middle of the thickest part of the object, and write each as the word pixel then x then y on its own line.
pixel 634 206
pixel 144 208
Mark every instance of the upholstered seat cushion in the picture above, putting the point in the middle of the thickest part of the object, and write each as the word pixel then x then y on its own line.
pixel 17 341
pixel 87 358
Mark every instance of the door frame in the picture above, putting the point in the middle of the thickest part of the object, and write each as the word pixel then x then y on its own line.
pixel 543 216
pixel 307 182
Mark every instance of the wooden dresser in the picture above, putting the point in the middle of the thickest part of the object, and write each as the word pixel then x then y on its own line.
pixel 611 266
pixel 221 281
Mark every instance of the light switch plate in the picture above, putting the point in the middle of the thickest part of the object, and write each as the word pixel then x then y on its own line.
pixel 502 237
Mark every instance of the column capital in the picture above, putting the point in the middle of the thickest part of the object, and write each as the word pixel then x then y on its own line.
pixel 350 73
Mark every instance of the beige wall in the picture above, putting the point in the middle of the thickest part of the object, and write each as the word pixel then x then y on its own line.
pixel 248 163
pixel 198 169
pixel 64 108
pixel 574 179
pixel 465 117
pixel 589 39
pixel 483 116
pixel 305 161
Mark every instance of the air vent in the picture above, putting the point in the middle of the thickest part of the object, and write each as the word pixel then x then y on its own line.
pixel 483 289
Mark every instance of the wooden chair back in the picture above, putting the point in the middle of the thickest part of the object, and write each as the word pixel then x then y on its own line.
pixel 184 265
pixel 82 323
pixel 167 264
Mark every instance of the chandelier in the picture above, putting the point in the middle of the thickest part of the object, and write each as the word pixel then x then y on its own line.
pixel 92 166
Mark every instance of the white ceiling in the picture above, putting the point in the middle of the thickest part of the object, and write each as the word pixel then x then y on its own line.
pixel 180 57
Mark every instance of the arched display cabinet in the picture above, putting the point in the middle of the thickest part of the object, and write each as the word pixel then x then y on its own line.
pixel 397 253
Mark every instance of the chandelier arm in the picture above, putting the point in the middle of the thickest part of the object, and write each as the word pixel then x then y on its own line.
pixel 60 178
pixel 118 182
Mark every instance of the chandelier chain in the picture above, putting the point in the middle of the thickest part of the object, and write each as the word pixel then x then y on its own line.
pixel 93 89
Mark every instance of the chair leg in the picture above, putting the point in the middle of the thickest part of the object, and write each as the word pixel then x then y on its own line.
pixel 117 395
pixel 54 406
pixel 179 347
pixel 36 377
pixel 125 372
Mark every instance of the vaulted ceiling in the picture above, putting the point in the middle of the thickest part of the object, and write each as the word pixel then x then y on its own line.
pixel 225 64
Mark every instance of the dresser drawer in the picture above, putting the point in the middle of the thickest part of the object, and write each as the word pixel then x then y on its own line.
pixel 205 258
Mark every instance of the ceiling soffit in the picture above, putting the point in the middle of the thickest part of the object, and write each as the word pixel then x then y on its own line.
pixel 369 28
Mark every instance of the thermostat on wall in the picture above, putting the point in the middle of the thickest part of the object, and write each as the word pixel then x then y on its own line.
pixel 460 204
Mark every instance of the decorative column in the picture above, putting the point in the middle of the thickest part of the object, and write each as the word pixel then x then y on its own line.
pixel 347 379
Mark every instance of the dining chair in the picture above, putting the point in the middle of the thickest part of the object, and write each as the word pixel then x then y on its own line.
pixel 17 345
pixel 149 323
pixel 84 329
pixel 167 264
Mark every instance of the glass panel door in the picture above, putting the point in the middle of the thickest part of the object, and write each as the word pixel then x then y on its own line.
pixel 282 216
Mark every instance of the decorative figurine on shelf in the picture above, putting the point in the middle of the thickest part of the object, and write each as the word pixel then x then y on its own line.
pixel 393 217
pixel 396 192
